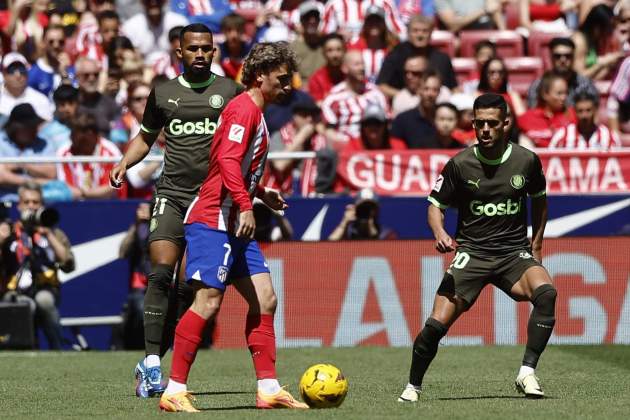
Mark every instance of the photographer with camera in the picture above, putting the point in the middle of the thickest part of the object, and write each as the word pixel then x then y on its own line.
pixel 32 252
pixel 360 220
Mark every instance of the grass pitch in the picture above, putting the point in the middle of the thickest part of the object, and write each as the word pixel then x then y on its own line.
pixel 463 382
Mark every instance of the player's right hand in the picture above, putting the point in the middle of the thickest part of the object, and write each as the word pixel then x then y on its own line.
pixel 247 225
pixel 444 243
pixel 117 175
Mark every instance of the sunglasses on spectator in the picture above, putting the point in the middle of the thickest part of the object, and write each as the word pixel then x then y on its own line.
pixel 560 55
pixel 87 75
pixel 414 73
pixel 18 68
pixel 139 98
pixel 53 42
pixel 479 124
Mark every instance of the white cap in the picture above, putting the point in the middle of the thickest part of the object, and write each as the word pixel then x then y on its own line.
pixel 310 6
pixel 366 195
pixel 13 57
pixel 374 9
pixel 374 112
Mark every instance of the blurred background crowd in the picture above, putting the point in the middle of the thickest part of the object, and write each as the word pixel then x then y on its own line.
pixel 374 74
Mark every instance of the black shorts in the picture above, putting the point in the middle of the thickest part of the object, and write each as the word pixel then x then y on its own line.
pixel 167 220
pixel 469 273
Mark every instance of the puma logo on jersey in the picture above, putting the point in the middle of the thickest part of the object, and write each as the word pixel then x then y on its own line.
pixel 174 101
pixel 475 183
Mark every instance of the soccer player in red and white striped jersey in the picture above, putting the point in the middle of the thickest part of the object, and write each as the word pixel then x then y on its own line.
pixel 586 133
pixel 344 106
pixel 87 180
pixel 220 227
pixel 347 16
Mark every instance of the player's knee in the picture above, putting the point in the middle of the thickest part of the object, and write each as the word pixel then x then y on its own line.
pixel 430 336
pixel 206 303
pixel 161 276
pixel 544 299
pixel 268 303
pixel 434 330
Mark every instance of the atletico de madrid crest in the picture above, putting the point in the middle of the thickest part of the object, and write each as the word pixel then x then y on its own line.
pixel 222 273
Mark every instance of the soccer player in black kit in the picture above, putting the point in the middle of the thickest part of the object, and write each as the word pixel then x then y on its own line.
pixel 489 183
pixel 188 109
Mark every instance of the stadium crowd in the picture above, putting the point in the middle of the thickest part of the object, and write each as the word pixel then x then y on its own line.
pixel 373 74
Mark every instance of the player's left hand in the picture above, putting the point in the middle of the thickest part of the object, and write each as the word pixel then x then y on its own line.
pixel 247 225
pixel 274 200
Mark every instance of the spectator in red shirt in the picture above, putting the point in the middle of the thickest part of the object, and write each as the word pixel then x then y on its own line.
pixel 95 45
pixel 25 23
pixel 585 133
pixel 234 48
pixel 548 14
pixel 374 133
pixel 539 124
pixel 323 80
pixel 445 121
pixel 373 41
pixel 464 132
pixel 303 132
pixel 87 180
pixel 343 108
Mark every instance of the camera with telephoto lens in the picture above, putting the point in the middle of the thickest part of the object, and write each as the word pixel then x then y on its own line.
pixel 44 216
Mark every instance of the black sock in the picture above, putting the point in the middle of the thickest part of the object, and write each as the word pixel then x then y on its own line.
pixel 156 303
pixel 540 325
pixel 180 299
pixel 424 349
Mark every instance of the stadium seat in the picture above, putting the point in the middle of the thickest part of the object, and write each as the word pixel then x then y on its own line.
pixel 444 41
pixel 538 45
pixel 464 68
pixel 509 43
pixel 523 71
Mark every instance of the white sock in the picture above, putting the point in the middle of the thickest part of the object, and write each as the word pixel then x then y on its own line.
pixel 174 387
pixel 152 360
pixel 269 386
pixel 417 388
pixel 525 370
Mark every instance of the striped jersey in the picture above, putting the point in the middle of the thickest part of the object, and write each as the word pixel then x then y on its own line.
pixel 87 175
pixel 372 58
pixel 350 15
pixel 343 108
pixel 569 138
pixel 237 161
